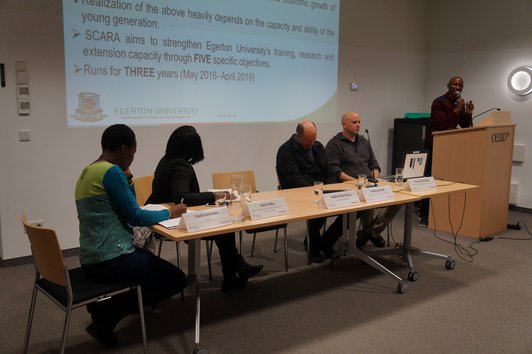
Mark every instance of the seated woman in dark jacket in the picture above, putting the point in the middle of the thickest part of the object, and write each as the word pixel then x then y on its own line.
pixel 175 180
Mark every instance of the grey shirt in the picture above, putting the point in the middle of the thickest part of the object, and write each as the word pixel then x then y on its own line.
pixel 353 158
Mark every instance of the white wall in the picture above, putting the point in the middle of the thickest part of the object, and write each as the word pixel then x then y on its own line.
pixel 383 47
pixel 483 42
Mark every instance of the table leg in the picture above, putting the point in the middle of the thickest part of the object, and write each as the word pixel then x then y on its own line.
pixel 349 236
pixel 406 251
pixel 194 258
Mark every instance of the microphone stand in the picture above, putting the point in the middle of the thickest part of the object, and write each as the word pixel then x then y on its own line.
pixel 372 170
pixel 481 113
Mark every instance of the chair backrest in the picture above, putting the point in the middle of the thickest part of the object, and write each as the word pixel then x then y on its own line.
pixel 222 180
pixel 143 186
pixel 46 252
pixel 278 179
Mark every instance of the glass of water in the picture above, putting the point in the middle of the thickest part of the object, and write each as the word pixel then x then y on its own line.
pixel 246 192
pixel 318 191
pixel 236 183
pixel 361 181
pixel 235 207
pixel 399 176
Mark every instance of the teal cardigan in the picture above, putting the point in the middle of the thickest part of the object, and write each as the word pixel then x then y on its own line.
pixel 107 210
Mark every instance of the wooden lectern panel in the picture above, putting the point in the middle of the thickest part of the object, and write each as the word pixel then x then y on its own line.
pixel 495 118
pixel 481 156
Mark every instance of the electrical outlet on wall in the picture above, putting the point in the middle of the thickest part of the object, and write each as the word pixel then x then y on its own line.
pixel 24 135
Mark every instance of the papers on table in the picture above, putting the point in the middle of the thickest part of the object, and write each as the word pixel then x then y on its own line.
pixel 153 207
pixel 199 220
pixel 171 223
pixel 214 190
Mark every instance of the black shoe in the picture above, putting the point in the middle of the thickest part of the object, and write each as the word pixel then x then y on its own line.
pixel 378 241
pixel 362 238
pixel 315 257
pixel 423 221
pixel 250 271
pixel 246 270
pixel 103 334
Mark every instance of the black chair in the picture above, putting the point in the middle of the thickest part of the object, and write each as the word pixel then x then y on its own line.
pixel 67 288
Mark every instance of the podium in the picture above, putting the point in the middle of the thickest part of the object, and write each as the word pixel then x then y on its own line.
pixel 482 156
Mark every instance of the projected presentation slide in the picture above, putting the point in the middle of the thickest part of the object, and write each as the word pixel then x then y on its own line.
pixel 211 61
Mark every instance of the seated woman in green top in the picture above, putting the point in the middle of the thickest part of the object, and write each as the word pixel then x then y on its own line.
pixel 107 210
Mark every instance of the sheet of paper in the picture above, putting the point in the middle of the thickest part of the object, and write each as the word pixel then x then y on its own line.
pixel 154 207
pixel 171 223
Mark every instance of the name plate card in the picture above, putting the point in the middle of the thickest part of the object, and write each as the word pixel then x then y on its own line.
pixel 421 184
pixel 378 194
pixel 205 219
pixel 340 199
pixel 269 208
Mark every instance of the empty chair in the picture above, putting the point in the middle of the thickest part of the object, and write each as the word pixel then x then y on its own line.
pixel 67 288
pixel 222 180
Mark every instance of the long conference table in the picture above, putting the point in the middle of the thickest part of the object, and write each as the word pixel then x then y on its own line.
pixel 301 206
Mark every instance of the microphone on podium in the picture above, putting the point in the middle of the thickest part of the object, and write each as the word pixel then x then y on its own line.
pixel 489 110
pixel 481 113
pixel 373 179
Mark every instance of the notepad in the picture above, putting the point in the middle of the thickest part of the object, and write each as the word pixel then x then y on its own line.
pixel 154 207
pixel 171 223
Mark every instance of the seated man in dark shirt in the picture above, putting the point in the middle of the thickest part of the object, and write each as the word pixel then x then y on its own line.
pixel 350 155
pixel 301 161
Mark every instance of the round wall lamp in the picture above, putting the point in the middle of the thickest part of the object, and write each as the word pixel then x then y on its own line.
pixel 520 80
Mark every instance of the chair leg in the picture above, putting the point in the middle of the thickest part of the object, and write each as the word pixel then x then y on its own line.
pixel 208 247
pixel 30 319
pixel 160 248
pixel 65 328
pixel 178 254
pixel 275 249
pixel 240 241
pixel 307 237
pixel 285 251
pixel 253 244
pixel 142 323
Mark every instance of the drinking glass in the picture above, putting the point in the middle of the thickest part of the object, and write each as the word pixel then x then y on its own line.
pixel 235 207
pixel 361 181
pixel 399 176
pixel 236 183
pixel 246 192
pixel 318 191
pixel 220 198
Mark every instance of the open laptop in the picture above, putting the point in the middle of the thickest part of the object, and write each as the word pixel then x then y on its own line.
pixel 414 165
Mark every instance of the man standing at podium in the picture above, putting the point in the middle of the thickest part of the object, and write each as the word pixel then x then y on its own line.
pixel 447 112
